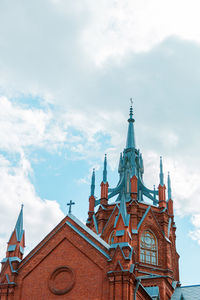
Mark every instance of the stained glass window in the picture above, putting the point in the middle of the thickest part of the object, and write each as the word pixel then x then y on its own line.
pixel 148 248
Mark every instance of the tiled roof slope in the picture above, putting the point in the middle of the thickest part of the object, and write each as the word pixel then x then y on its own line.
pixel 191 292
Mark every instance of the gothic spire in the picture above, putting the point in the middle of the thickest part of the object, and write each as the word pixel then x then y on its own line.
pixel 105 170
pixel 169 187
pixel 19 225
pixel 161 172
pixel 130 142
pixel 93 183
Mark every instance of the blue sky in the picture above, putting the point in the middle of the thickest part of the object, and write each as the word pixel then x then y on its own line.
pixel 67 71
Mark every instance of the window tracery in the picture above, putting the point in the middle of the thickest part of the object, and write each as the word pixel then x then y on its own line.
pixel 148 248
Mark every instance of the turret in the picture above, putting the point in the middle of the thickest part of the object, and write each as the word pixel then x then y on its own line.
pixel 16 245
pixel 104 184
pixel 16 242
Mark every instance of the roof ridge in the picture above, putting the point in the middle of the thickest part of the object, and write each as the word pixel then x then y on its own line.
pixel 185 286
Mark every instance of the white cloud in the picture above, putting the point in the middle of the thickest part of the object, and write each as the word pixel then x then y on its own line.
pixel 15 189
pixel 185 181
pixel 195 234
pixel 85 59
pixel 23 127
pixel 118 27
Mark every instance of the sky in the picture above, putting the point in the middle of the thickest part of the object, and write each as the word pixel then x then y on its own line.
pixel 67 72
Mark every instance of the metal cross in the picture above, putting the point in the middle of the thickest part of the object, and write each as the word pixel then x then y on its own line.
pixel 70 206
pixel 131 99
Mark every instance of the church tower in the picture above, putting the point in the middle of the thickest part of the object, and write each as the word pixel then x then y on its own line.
pixel 14 256
pixel 139 227
pixel 125 251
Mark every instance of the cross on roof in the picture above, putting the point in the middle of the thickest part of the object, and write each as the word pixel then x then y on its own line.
pixel 70 206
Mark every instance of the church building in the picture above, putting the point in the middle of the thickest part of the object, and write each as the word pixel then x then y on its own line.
pixel 126 250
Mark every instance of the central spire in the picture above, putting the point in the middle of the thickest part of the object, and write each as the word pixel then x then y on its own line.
pixel 130 142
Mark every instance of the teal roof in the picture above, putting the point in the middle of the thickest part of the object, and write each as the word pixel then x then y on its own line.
pixel 153 291
pixel 105 170
pixel 19 225
pixel 11 248
pixel 161 172
pixel 123 212
pixel 92 183
pixel 130 142
pixel 130 164
pixel 169 190
pixel 191 292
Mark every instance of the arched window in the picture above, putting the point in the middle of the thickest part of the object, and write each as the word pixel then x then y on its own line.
pixel 148 248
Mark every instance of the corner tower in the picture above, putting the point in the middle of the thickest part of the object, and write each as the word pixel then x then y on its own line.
pixel 14 255
pixel 139 226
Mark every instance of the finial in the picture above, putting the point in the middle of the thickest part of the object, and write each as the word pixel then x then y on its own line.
pixel 161 172
pixel 93 182
pixel 131 109
pixel 169 190
pixel 70 206
pixel 105 169
pixel 22 206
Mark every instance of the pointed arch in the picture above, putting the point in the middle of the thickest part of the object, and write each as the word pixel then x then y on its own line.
pixel 148 248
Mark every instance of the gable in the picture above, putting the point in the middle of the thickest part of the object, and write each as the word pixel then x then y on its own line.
pixel 64 271
pixel 71 254
pixel 149 221
pixel 110 223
